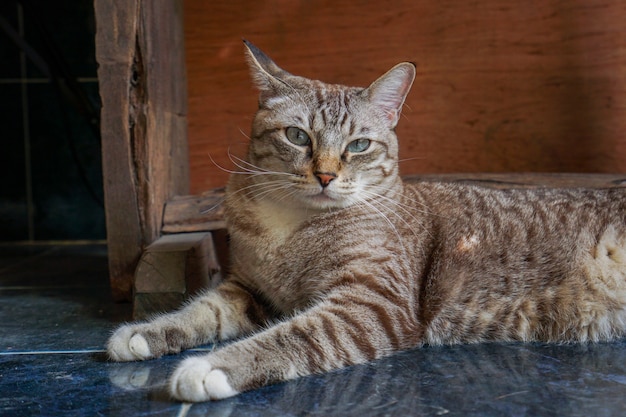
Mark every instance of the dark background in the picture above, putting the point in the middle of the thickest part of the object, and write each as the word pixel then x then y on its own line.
pixel 50 160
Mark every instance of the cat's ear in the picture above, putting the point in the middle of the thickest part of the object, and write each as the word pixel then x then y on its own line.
pixel 390 90
pixel 267 76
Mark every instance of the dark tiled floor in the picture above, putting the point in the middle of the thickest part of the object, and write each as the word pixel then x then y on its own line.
pixel 56 313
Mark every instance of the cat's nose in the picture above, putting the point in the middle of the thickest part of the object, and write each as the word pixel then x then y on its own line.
pixel 325 177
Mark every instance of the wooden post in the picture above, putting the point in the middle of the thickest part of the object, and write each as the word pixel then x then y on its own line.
pixel 139 49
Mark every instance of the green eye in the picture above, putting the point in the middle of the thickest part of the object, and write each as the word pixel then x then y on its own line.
pixel 297 136
pixel 359 145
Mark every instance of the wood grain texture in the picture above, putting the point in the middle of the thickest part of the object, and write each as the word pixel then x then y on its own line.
pixel 537 86
pixel 139 49
pixel 194 212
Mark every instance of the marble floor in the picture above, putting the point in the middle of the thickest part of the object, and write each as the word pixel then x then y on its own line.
pixel 56 313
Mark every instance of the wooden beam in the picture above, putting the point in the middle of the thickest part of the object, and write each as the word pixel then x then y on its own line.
pixel 529 180
pixel 141 71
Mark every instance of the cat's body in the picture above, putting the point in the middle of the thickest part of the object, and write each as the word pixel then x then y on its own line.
pixel 335 261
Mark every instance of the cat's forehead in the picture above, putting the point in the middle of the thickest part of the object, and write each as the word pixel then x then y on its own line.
pixel 311 96
pixel 325 92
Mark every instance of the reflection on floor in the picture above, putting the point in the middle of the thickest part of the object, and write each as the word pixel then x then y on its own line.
pixel 56 313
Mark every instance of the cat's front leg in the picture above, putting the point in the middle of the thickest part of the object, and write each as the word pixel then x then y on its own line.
pixel 355 329
pixel 226 312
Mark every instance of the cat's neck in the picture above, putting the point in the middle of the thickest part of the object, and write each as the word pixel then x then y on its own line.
pixel 275 220
pixel 280 219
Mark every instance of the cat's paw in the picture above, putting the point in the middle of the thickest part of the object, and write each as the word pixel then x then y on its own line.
pixel 195 380
pixel 126 344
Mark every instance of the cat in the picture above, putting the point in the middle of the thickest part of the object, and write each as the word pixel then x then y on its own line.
pixel 335 261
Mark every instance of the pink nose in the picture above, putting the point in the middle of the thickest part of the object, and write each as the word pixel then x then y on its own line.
pixel 325 178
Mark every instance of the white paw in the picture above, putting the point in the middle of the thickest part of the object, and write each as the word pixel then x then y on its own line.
pixel 126 345
pixel 195 380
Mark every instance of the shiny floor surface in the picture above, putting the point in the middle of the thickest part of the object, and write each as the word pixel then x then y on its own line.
pixel 56 313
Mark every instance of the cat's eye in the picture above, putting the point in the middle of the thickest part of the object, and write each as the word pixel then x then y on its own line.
pixel 359 145
pixel 297 136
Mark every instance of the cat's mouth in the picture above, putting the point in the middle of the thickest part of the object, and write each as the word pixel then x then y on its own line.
pixel 317 195
pixel 325 200
pixel 322 197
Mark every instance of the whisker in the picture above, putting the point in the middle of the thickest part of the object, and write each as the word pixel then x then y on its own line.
pixel 291 192
pixel 389 222
pixel 245 135
pixel 252 169
pixel 415 158
pixel 213 207
pixel 263 186
pixel 424 210
pixel 269 190
pixel 376 199
pixel 221 167
pixel 426 207
pixel 418 205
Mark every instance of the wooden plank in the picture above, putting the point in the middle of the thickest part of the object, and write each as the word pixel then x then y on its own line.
pixel 139 44
pixel 528 180
pixel 173 268
pixel 525 86
pixel 192 213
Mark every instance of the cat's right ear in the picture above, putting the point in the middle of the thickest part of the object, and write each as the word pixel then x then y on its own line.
pixel 267 76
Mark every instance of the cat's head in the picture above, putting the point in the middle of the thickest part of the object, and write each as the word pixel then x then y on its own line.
pixel 324 146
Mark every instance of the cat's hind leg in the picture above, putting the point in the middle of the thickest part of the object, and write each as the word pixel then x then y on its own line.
pixel 224 313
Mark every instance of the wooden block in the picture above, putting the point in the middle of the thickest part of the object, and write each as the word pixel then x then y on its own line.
pixel 172 269
pixel 147 305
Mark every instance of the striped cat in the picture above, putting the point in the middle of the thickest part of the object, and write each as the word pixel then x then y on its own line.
pixel 336 262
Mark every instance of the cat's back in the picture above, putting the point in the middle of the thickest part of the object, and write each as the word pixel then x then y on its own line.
pixel 523 264
pixel 460 203
pixel 520 224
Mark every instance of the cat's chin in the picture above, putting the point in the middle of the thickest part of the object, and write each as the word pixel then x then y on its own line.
pixel 323 201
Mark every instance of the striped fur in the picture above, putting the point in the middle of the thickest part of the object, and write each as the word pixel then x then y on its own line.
pixel 336 262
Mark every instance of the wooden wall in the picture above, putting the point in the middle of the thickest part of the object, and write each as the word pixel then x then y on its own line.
pixel 509 86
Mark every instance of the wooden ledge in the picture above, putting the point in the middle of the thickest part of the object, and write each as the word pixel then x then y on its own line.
pixel 529 180
pixel 194 213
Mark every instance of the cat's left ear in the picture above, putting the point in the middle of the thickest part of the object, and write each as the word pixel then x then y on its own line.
pixel 390 90
pixel 267 76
